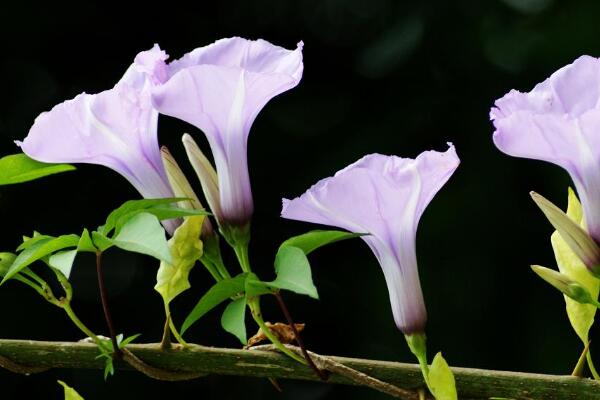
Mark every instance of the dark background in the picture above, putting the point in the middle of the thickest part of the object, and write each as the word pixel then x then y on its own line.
pixel 380 76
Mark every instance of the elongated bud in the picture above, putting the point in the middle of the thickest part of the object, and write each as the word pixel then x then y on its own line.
pixel 575 236
pixel 566 285
pixel 182 188
pixel 179 183
pixel 206 174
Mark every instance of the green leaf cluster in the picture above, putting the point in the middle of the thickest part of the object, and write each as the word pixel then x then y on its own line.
pixel 293 273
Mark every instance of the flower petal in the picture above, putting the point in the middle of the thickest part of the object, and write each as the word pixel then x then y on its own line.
pixel 383 196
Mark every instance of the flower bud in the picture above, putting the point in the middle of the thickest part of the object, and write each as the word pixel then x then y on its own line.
pixel 575 236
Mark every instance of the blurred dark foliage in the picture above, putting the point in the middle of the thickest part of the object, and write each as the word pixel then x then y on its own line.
pixel 396 77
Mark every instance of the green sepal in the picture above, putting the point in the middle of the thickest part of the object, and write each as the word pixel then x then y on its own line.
pixel 19 168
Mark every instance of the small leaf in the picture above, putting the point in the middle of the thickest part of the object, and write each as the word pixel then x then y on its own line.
pixel 293 272
pixel 131 206
pixel 6 260
pixel 581 316
pixel 186 249
pixel 312 240
pixel 63 261
pixel 109 368
pixel 144 234
pixel 233 319
pixel 40 250
pixel 70 393
pixel 217 294
pixel 124 342
pixel 18 168
pixel 441 379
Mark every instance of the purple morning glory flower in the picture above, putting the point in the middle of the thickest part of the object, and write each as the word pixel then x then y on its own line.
pixel 559 122
pixel 384 196
pixel 220 89
pixel 116 128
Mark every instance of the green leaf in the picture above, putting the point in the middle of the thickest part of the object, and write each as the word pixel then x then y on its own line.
pixel 144 234
pixel 63 261
pixel 6 260
pixel 217 294
pixel 18 168
pixel 580 315
pixel 131 206
pixel 441 379
pixel 186 249
pixel 293 272
pixel 40 250
pixel 233 319
pixel 70 393
pixel 254 287
pixel 312 240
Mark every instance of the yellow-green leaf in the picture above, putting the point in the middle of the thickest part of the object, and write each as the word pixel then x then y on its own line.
pixel 580 315
pixel 186 249
pixel 70 393
pixel 441 379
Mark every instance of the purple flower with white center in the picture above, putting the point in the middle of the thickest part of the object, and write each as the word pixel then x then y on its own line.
pixel 385 197
pixel 559 122
pixel 220 89
pixel 116 128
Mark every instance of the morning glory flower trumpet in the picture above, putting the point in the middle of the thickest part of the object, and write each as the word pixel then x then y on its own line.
pixel 559 122
pixel 116 128
pixel 221 88
pixel 385 197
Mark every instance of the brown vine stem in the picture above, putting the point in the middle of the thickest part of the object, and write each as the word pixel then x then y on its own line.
pixel 320 373
pixel 104 298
